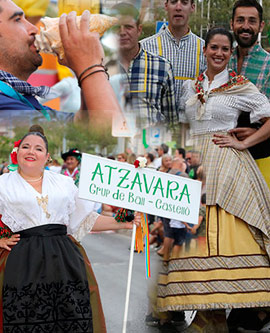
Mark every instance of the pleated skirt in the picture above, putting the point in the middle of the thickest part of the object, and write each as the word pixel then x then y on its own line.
pixel 47 285
pixel 230 267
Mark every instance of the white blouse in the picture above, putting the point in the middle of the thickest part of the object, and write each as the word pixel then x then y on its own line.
pixel 221 110
pixel 22 207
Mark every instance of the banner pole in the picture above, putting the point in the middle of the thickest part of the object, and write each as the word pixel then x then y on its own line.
pixel 129 277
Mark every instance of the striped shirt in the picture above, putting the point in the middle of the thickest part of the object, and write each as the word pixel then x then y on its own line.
pixel 256 67
pixel 150 89
pixel 186 57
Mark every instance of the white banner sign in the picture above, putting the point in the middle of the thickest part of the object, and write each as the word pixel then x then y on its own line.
pixel 140 189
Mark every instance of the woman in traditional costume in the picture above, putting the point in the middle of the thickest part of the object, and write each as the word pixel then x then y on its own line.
pixel 47 284
pixel 232 270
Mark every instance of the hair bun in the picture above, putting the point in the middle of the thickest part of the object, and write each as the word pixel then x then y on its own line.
pixel 37 129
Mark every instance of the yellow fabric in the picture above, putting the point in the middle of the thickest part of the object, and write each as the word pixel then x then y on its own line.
pixel 198 57
pixel 33 7
pixel 63 71
pixel 223 299
pixel 145 76
pixel 159 46
pixel 264 166
pixel 234 235
pixel 66 6
pixel 221 273
pixel 237 261
pixel 139 239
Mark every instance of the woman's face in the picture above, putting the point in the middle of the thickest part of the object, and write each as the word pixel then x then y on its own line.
pixel 32 155
pixel 167 162
pixel 71 163
pixel 218 53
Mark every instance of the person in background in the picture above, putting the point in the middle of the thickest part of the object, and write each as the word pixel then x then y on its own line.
pixel 166 163
pixel 178 44
pixel 195 162
pixel 150 161
pixel 122 157
pixel 147 78
pixel 72 159
pixel 55 166
pixel 161 150
pixel 251 60
pixel 131 158
pixel 181 153
pixel 178 167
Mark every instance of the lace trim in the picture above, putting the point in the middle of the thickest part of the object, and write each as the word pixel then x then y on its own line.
pixel 86 226
pixel 8 220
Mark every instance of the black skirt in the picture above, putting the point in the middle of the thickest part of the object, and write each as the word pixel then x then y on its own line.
pixel 47 285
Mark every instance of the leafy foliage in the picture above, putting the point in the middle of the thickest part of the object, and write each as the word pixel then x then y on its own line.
pixel 85 139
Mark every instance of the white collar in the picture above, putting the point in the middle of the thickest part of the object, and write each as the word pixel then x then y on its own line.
pixel 219 79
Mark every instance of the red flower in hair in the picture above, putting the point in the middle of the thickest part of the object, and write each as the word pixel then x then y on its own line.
pixel 13 154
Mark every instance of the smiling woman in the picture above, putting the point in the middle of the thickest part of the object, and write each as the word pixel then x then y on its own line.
pixel 32 156
pixel 236 248
pixel 47 274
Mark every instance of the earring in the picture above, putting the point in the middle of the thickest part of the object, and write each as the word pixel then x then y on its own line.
pixel 50 160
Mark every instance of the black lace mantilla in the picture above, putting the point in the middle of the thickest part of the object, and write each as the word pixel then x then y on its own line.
pixel 47 307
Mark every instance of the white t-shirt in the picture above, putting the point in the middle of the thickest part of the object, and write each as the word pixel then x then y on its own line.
pixel 177 224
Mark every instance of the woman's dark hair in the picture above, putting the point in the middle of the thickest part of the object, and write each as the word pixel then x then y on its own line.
pixel 203 198
pixel 38 131
pixel 181 151
pixel 218 31
pixel 151 157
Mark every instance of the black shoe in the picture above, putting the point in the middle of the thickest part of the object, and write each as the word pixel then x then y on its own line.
pixel 168 328
pixel 177 317
pixel 247 320
pixel 151 321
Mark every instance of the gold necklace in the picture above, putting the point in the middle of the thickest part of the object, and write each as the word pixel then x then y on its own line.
pixel 33 180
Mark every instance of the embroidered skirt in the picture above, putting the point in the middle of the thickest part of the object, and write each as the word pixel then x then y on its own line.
pixel 47 285
pixel 230 268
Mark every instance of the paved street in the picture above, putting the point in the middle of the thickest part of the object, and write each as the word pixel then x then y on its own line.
pixel 109 256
